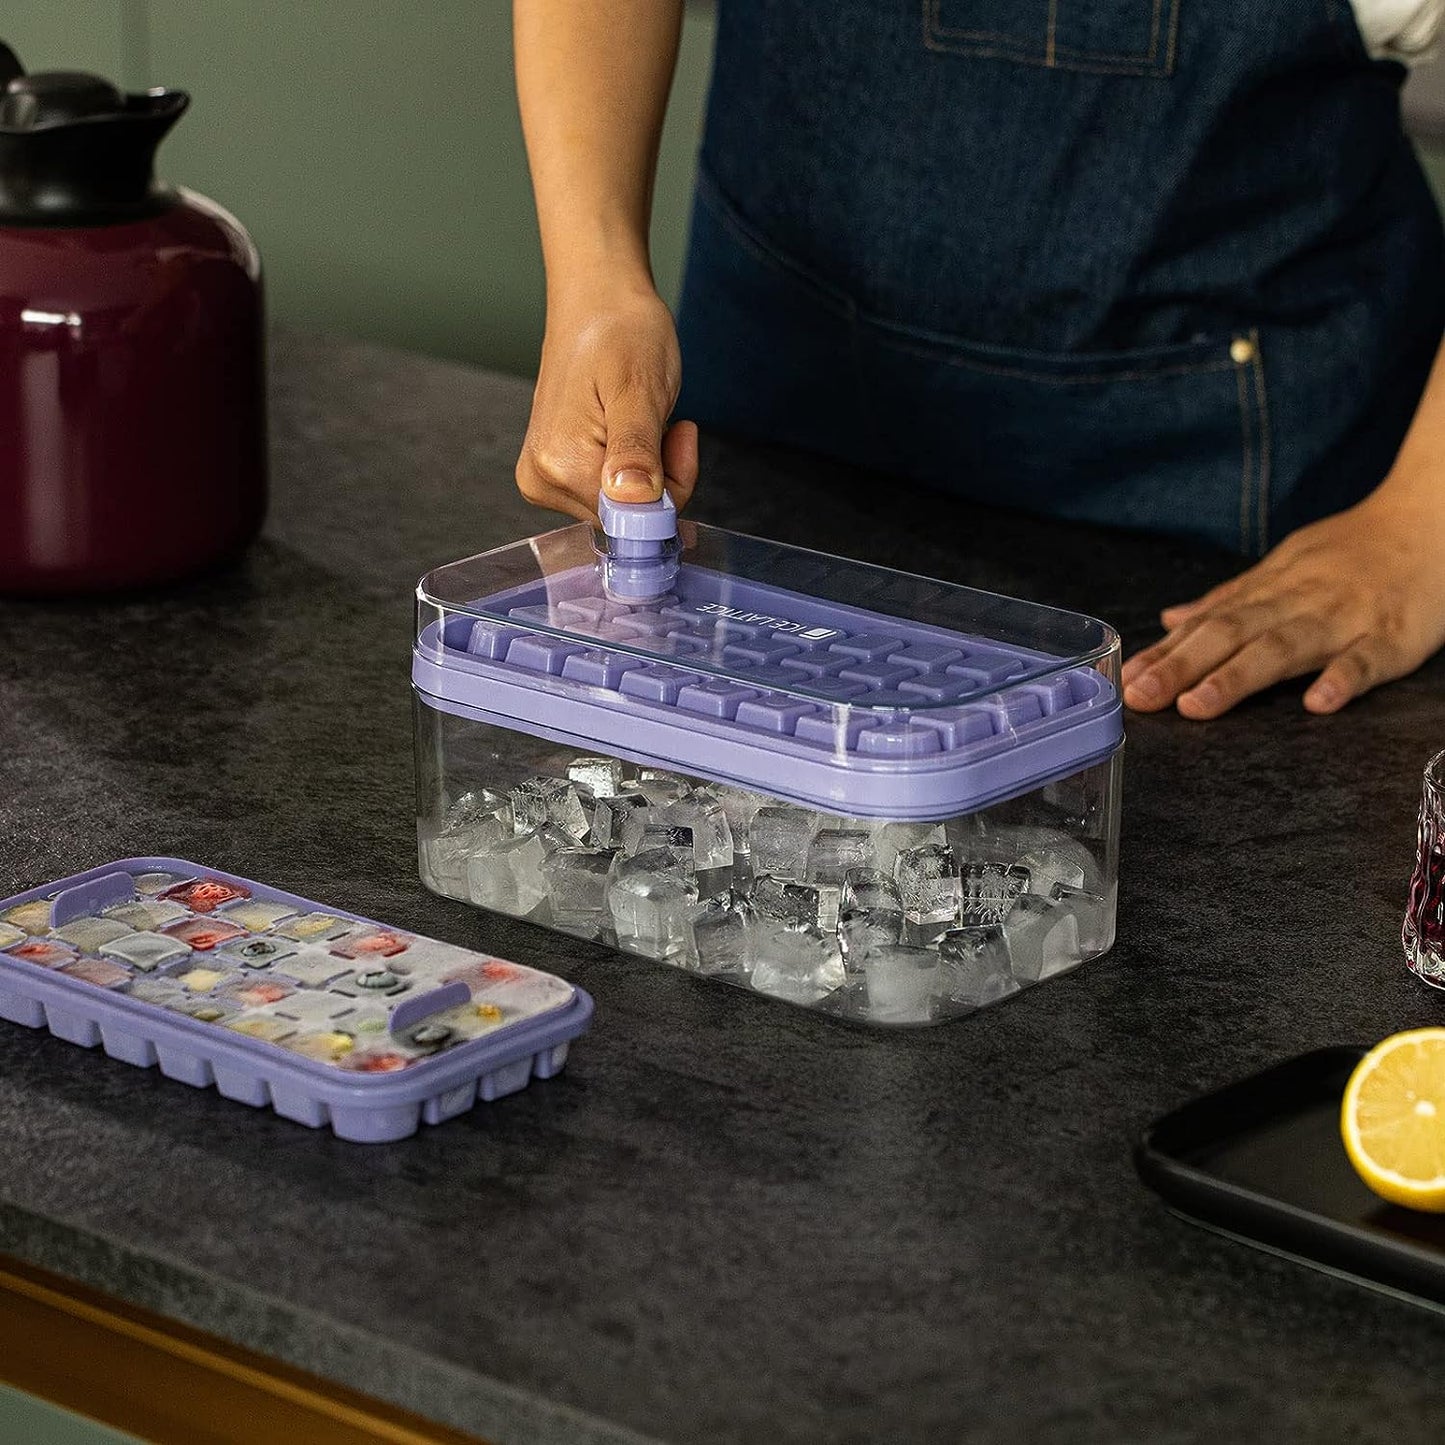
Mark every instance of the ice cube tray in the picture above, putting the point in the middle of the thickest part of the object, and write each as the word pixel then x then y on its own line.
pixel 325 1016
pixel 878 711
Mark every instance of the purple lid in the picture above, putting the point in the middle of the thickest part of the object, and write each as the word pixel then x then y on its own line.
pixel 819 680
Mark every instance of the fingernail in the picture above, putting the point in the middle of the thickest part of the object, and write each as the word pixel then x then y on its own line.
pixel 632 485
pixel 1206 695
pixel 1323 694
pixel 1147 688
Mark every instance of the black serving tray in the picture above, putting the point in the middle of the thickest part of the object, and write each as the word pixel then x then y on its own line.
pixel 1261 1161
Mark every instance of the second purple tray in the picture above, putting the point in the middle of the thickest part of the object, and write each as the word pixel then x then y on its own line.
pixel 277 1001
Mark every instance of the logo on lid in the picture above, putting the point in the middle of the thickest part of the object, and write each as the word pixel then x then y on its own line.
pixel 766 619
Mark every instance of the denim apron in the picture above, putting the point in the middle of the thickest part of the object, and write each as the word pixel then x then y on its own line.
pixel 1169 264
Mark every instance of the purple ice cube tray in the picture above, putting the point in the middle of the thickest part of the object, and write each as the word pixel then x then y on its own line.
pixel 325 1016
pixel 939 701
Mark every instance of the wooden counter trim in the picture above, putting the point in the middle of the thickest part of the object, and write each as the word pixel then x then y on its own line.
pixel 171 1384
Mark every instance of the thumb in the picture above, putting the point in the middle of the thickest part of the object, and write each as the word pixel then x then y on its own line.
pixel 632 467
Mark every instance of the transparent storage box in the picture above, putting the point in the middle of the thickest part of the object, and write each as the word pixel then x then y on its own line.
pixel 857 790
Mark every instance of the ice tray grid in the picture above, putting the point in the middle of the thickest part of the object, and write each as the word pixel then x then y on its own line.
pixel 812 701
pixel 537 1015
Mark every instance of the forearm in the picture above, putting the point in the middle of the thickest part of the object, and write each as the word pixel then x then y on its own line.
pixel 1417 478
pixel 592 80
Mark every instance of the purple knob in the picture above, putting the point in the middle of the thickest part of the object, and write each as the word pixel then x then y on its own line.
pixel 626 523
pixel 640 561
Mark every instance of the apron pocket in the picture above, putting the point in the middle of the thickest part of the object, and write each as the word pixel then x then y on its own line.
pixel 1173 439
pixel 1110 37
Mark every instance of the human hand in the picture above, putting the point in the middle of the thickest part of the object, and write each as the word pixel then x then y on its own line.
pixel 1359 596
pixel 609 378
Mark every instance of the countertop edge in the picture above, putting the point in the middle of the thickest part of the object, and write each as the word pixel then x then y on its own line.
pixel 479 1404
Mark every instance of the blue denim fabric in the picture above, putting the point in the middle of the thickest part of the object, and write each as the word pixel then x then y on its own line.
pixel 1158 263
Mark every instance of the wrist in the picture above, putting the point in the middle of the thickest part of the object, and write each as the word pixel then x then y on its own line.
pixel 1413 490
pixel 593 271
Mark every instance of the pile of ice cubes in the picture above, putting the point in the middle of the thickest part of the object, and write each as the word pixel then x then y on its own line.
pixel 891 922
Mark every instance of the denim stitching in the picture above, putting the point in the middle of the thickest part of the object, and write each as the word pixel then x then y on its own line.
pixel 827 294
pixel 943 349
pixel 992 44
pixel 1246 472
pixel 1266 446
pixel 1182 368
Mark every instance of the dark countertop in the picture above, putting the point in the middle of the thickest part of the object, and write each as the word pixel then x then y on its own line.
pixel 727 1220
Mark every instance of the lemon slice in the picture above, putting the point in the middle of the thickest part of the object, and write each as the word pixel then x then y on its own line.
pixel 1393 1119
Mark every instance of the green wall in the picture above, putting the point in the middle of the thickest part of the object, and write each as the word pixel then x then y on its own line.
pixel 27 1421
pixel 372 148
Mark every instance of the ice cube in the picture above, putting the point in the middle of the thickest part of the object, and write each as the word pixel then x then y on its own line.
pixel 866 928
pixel 471 810
pixel 975 966
pixel 712 836
pixel 740 807
pixel 1043 938
pixel 990 890
pixel 475 822
pixel 205 895
pixel 779 838
pixel 1045 869
pixel 611 816
pixel 576 880
pixel 157 989
pixel 797 905
pixel 150 884
pixel 645 836
pixel 658 786
pixel 870 915
pixel 870 888
pixel 257 915
pixel 261 952
pixel 835 852
pixel 1051 856
pixel 1092 912
pixel 146 915
pixel 900 983
pixel 32 917
pixel 891 839
pixel 724 936
pixel 601 777
pixel 99 971
pixel 507 877
pixel 927 878
pixel 541 800
pixel 700 815
pixel 315 967
pixel 650 896
pixel 800 965
pixel 88 934
pixel 145 951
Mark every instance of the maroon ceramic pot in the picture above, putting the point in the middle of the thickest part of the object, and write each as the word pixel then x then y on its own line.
pixel 131 349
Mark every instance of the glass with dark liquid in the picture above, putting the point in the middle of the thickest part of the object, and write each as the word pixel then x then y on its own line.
pixel 1424 930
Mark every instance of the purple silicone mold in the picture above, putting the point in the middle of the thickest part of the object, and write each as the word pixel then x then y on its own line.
pixel 90 1005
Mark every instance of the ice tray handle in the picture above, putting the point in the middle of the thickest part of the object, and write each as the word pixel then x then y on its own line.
pixel 639 550
pixel 420 1006
pixel 87 898
pixel 638 529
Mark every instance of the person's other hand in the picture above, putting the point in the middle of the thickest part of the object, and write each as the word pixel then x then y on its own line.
pixel 608 380
pixel 1359 597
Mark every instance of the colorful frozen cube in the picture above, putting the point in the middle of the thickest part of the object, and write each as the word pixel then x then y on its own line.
pixel 205 895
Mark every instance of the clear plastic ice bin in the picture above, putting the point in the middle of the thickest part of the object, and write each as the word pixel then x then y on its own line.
pixel 857 790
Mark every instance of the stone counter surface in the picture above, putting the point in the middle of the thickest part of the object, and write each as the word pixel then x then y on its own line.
pixel 727 1220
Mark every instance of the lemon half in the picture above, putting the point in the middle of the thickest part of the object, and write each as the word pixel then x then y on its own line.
pixel 1392 1120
